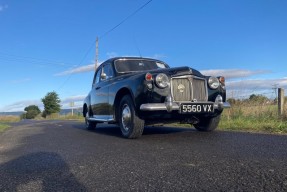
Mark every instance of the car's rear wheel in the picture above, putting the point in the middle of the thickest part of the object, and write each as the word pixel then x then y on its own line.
pixel 90 125
pixel 131 125
pixel 207 124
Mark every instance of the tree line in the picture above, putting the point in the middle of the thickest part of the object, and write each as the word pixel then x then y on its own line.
pixel 257 99
pixel 51 103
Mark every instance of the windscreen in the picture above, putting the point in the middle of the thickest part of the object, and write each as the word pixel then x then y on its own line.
pixel 134 65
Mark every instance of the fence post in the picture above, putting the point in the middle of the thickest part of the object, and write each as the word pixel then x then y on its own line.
pixel 280 101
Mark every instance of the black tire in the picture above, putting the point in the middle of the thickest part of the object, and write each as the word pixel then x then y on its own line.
pixel 90 125
pixel 131 125
pixel 207 124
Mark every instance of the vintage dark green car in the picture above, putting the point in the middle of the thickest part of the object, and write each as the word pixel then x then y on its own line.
pixel 133 92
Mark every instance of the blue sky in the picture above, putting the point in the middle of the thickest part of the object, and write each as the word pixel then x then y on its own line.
pixel 50 45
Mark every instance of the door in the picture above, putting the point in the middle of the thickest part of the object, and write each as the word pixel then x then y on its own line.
pixel 100 93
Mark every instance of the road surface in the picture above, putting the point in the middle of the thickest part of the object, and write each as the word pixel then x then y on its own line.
pixel 63 156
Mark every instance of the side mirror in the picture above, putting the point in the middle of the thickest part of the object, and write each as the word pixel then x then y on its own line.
pixel 103 76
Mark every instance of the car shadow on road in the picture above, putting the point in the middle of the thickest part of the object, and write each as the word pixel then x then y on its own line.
pixel 41 171
pixel 151 130
pixel 114 130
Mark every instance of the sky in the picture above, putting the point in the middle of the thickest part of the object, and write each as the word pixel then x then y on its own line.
pixel 50 45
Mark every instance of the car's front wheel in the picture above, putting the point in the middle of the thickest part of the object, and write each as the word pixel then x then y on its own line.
pixel 90 125
pixel 131 125
pixel 207 124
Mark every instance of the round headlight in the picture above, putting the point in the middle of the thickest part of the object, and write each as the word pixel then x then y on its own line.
pixel 213 82
pixel 162 80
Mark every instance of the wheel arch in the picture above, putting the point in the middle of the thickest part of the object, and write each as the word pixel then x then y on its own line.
pixel 86 105
pixel 122 92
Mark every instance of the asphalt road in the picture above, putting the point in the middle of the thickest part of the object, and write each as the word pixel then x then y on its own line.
pixel 63 156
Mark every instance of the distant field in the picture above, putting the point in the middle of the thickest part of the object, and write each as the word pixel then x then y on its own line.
pixel 7 119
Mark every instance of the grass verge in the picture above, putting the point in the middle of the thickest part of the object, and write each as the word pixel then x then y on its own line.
pixel 5 120
pixel 248 118
pixel 253 119
pixel 3 127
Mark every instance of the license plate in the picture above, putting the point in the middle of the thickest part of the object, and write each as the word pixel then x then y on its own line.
pixel 196 108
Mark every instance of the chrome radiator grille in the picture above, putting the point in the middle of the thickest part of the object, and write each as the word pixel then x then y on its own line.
pixel 188 89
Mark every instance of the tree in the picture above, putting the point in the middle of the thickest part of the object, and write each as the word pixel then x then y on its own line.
pixel 51 103
pixel 258 98
pixel 32 111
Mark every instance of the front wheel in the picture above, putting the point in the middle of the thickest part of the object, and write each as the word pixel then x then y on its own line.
pixel 131 125
pixel 90 125
pixel 207 124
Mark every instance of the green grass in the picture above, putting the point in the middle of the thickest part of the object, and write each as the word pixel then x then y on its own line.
pixel 3 127
pixel 5 120
pixel 248 118
pixel 253 119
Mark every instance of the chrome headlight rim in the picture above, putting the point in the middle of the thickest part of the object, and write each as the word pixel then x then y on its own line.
pixel 162 80
pixel 213 82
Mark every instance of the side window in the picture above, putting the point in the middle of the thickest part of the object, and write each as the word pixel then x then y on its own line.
pixel 107 69
pixel 97 76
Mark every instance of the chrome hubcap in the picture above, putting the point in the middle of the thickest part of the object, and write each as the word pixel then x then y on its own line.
pixel 126 117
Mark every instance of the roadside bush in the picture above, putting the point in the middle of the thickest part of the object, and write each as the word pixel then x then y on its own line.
pixel 31 112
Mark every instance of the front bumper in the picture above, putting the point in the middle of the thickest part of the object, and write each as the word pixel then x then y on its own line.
pixel 169 106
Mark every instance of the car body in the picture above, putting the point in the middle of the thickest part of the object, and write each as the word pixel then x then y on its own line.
pixel 134 91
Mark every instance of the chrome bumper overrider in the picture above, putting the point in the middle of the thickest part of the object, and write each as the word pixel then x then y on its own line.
pixel 169 106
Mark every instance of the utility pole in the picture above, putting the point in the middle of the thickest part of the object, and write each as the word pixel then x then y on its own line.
pixel 97 53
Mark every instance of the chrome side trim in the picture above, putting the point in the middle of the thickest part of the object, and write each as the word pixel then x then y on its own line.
pixel 157 107
pixel 102 118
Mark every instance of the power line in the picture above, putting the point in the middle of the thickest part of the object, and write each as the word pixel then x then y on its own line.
pixel 92 45
pixel 32 60
pixel 86 54
pixel 124 20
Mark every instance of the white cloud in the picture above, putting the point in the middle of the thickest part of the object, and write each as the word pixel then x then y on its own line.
pixel 233 73
pixel 20 105
pixel 74 98
pixel 65 103
pixel 81 69
pixel 257 83
pixel 244 88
